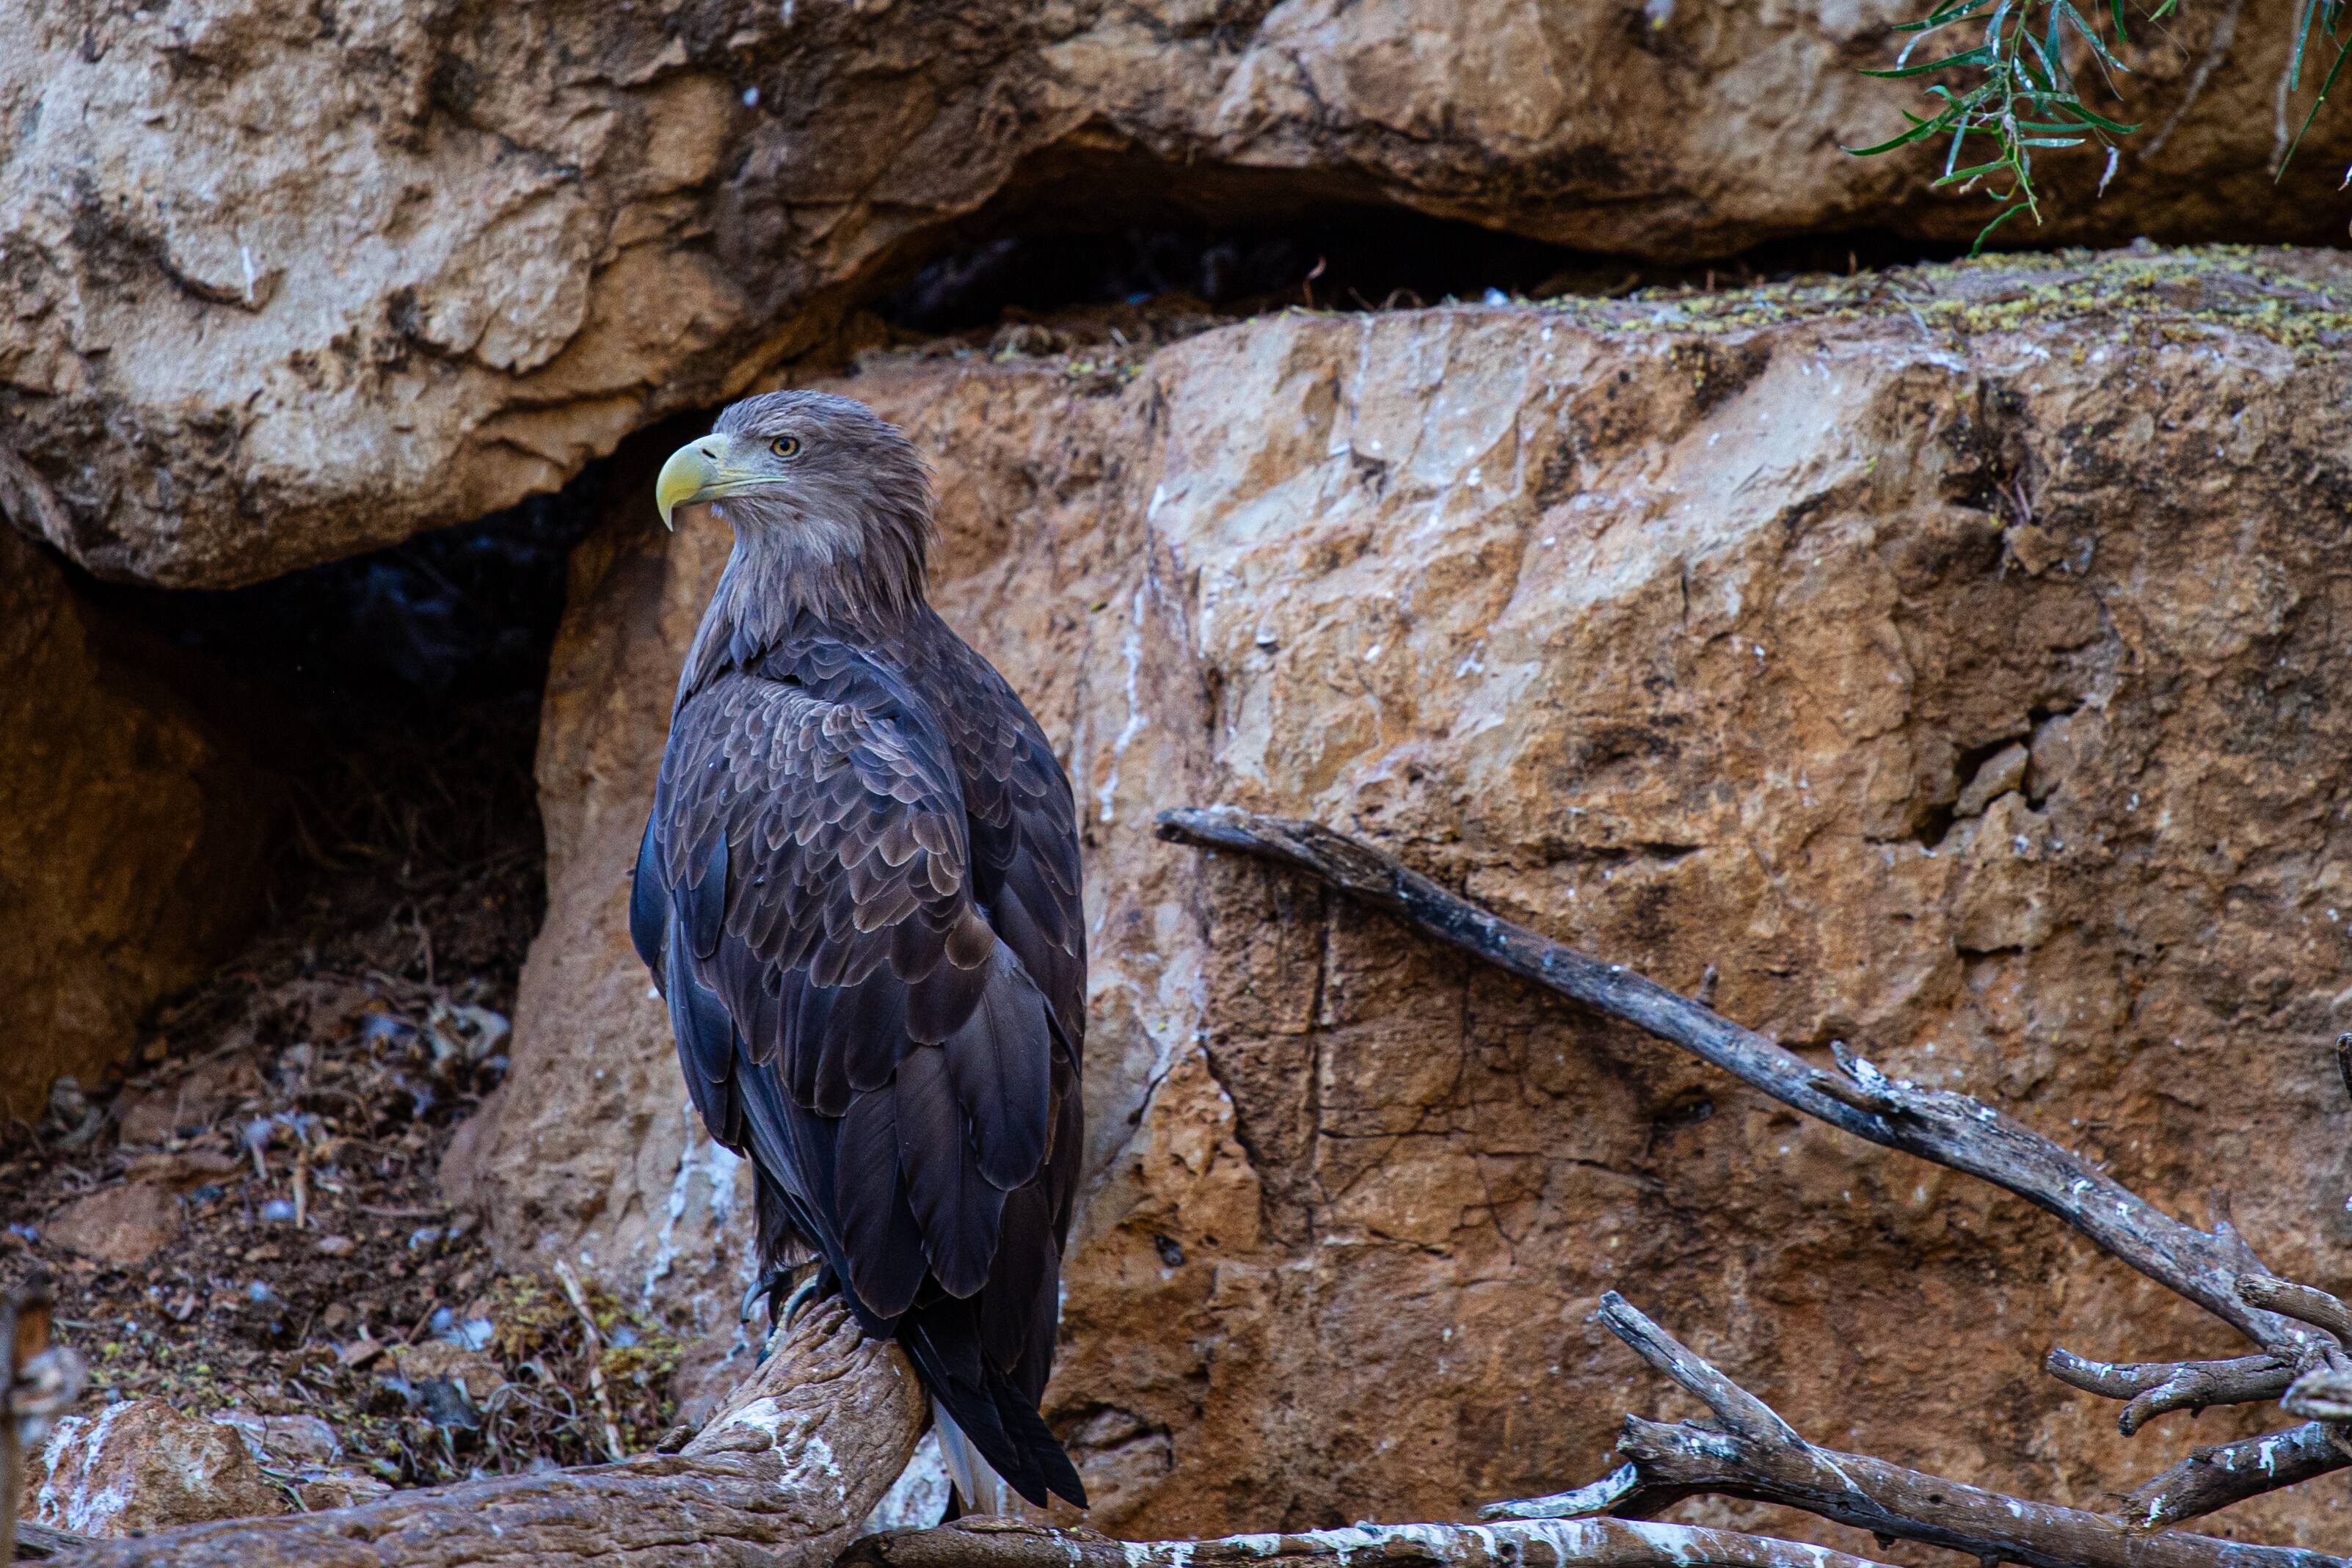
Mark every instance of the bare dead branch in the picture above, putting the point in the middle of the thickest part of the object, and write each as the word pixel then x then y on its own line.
pixel 1597 1498
pixel 2212 1478
pixel 2305 1303
pixel 783 1474
pixel 2155 1387
pixel 1947 1128
pixel 1760 1457
pixel 989 1543
pixel 1741 1412
pixel 1889 1500
pixel 2323 1393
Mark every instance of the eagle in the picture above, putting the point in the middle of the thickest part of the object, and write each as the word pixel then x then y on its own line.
pixel 858 893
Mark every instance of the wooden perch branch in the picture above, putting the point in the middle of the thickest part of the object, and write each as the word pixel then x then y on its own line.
pixel 1542 1544
pixel 782 1475
pixel 1940 1125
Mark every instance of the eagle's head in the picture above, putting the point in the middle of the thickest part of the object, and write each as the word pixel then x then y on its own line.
pixel 810 481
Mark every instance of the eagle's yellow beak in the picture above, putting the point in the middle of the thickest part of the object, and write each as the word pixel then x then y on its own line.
pixel 693 472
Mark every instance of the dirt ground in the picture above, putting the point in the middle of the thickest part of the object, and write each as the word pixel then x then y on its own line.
pixel 253 1221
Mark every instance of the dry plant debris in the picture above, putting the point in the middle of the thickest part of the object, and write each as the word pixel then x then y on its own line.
pixel 252 1224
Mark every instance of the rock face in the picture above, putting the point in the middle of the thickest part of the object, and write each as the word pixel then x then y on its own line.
pixel 133 838
pixel 287 283
pixel 141 1465
pixel 1956 679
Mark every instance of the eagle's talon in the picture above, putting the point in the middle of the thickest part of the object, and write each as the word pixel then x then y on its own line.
pixel 765 1286
pixel 807 1291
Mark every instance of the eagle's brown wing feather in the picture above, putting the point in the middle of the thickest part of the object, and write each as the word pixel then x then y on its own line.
pixel 1023 828
pixel 812 836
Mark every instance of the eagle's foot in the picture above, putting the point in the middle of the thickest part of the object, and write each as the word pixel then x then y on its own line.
pixel 768 1284
pixel 820 1282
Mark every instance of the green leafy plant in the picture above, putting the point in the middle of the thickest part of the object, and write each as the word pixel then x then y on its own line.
pixel 2014 93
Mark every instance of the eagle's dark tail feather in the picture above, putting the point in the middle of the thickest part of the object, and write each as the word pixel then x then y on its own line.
pixel 942 1338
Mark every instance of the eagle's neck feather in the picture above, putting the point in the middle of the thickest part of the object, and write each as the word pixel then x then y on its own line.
pixel 776 584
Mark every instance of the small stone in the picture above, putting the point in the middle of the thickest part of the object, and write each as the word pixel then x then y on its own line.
pixel 191 1104
pixel 474 1372
pixel 121 1226
pixel 2001 773
pixel 293 1441
pixel 185 1171
pixel 340 1489
pixel 335 1247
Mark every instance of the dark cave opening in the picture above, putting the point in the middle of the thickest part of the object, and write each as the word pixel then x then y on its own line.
pixel 396 695
pixel 1346 258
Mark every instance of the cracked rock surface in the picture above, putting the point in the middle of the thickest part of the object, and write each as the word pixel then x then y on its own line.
pixel 287 282
pixel 1953 673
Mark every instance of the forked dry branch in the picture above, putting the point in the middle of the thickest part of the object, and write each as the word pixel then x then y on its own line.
pixel 2300 1331
pixel 1751 1452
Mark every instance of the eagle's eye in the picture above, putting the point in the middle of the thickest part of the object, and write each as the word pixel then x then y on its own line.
pixel 785 447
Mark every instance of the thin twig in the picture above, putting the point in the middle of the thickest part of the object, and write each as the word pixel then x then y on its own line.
pixel 2225 32
pixel 1742 1413
pixel 596 1358
pixel 1599 1497
pixel 2305 1303
pixel 2155 1387
pixel 1940 1125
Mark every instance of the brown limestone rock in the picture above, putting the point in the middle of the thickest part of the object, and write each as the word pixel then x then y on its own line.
pixel 119 1226
pixel 133 836
pixel 1676 628
pixel 287 283
pixel 142 1465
